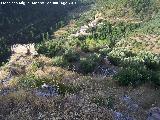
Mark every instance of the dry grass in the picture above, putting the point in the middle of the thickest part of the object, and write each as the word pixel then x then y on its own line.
pixel 149 42
pixel 25 105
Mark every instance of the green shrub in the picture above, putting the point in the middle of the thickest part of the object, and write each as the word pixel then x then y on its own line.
pixel 73 43
pixel 31 81
pixel 84 47
pixel 94 57
pixel 81 37
pixel 104 51
pixel 51 48
pixel 62 88
pixel 88 65
pixel 60 62
pixel 94 45
pixel 36 65
pixel 132 61
pixel 152 61
pixel 132 76
pixel 71 56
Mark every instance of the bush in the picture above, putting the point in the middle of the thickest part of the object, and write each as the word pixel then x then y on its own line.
pixel 133 76
pixel 60 62
pixel 94 57
pixel 84 47
pixel 67 88
pixel 71 56
pixel 31 81
pixel 36 65
pixel 73 43
pixel 51 48
pixel 151 60
pixel 94 45
pixel 104 51
pixel 88 65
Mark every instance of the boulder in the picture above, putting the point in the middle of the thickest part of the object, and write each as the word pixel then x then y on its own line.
pixel 154 114
pixel 47 90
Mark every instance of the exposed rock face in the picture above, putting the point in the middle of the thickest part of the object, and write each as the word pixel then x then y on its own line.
pixel 92 24
pixel 23 49
pixel 154 114
pixel 105 71
pixel 47 90
pixel 131 105
pixel 120 116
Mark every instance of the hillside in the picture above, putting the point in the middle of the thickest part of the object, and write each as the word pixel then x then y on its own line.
pixel 101 63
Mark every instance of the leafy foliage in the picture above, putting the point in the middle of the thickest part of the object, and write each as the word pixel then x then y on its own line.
pixel 134 8
pixel 32 81
pixel 88 65
pixel 60 62
pixel 133 76
pixel 50 48
pixel 71 56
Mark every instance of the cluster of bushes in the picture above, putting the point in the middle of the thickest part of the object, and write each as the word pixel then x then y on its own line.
pixel 105 51
pixel 66 59
pixel 133 75
pixel 88 64
pixel 137 68
pixel 152 26
pixel 31 81
pixel 137 75
pixel 103 40
pixel 92 45
pixel 60 62
pixel 135 8
pixel 106 34
pixel 113 32
pixel 71 55
pixel 51 48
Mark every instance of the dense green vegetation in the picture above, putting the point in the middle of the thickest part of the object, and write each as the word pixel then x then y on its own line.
pixel 152 26
pixel 142 9
pixel 105 39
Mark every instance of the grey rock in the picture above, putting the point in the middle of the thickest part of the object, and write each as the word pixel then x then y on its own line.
pixel 105 71
pixel 133 107
pixel 121 116
pixel 154 114
pixel 47 90
pixel 127 99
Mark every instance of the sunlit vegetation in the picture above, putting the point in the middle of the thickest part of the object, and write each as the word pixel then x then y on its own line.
pixel 92 65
